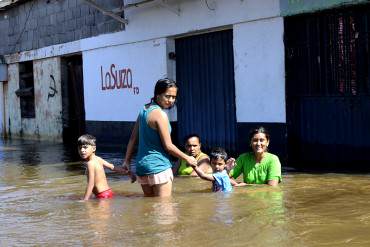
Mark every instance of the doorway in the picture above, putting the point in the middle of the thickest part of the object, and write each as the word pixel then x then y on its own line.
pixel 206 100
pixel 73 105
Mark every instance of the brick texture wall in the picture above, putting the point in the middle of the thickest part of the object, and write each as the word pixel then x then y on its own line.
pixel 39 23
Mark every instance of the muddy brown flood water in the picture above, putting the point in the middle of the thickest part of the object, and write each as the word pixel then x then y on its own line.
pixel 40 187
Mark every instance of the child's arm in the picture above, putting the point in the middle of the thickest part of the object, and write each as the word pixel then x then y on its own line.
pixel 236 184
pixel 106 163
pixel 233 182
pixel 230 164
pixel 202 175
pixel 112 167
pixel 90 180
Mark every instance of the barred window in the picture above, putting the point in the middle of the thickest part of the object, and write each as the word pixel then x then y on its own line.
pixel 26 90
pixel 328 53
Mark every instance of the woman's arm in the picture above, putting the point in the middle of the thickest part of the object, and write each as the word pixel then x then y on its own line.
pixel 90 180
pixel 274 172
pixel 161 121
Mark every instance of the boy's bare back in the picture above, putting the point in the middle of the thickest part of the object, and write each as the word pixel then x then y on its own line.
pixel 96 166
pixel 96 179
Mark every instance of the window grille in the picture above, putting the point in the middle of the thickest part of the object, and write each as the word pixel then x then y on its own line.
pixel 328 53
pixel 26 90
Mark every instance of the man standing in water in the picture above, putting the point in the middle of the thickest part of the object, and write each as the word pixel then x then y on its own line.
pixel 193 148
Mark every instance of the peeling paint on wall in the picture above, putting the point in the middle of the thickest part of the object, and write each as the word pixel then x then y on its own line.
pixel 13 104
pixel 47 74
pixel 1 109
pixel 47 123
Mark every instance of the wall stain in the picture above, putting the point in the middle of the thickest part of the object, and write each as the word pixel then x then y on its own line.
pixel 38 96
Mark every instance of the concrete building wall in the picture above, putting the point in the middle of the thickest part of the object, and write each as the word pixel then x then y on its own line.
pixel 259 74
pixel 118 83
pixel 6 110
pixel 2 123
pixel 260 71
pixel 38 23
pixel 13 107
pixel 154 21
pixel 144 45
pixel 47 123
pixel 48 98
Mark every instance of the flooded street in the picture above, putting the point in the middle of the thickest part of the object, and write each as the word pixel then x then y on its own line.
pixel 40 188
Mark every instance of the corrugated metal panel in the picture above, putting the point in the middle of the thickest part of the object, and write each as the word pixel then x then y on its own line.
pixel 206 102
pixel 328 88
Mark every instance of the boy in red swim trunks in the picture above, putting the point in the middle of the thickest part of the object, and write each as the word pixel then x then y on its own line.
pixel 96 179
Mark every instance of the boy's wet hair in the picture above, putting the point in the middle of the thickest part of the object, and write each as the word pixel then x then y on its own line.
pixel 86 140
pixel 218 153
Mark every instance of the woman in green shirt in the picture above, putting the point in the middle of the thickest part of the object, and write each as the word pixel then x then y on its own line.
pixel 259 166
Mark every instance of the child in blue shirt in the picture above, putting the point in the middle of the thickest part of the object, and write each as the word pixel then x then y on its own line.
pixel 220 179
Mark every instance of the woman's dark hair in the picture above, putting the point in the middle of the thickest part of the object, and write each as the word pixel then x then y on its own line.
pixel 259 130
pixel 161 86
pixel 186 138
pixel 218 153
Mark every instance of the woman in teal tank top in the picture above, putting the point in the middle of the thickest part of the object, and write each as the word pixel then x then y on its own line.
pixel 151 134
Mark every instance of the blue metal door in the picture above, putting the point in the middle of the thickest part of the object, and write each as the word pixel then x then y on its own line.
pixel 206 102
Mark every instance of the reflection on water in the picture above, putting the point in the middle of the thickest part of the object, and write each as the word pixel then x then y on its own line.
pixel 41 185
pixel 98 214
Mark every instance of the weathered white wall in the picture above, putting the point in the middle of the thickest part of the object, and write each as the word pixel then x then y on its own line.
pixel 259 71
pixel 13 106
pixel 156 21
pixel 153 21
pixel 110 98
pixel 47 123
pixel 171 73
pixel 3 72
pixel 142 48
pixel 2 124
pixel 48 102
pixel 6 109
